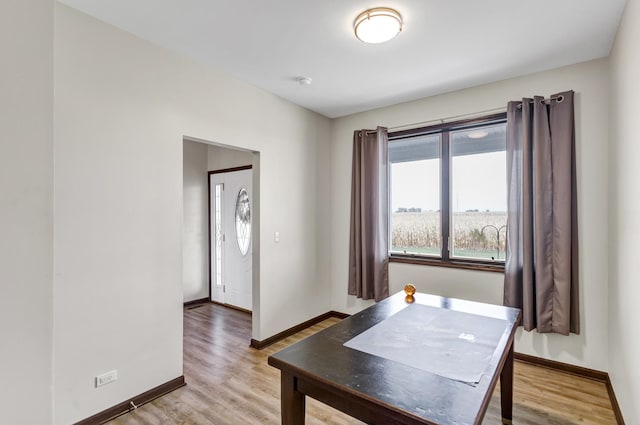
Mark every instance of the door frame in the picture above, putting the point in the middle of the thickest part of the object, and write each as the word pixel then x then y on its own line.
pixel 209 173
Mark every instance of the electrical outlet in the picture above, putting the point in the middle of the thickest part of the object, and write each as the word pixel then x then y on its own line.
pixel 106 378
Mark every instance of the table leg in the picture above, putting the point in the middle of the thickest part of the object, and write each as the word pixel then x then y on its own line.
pixel 292 401
pixel 506 388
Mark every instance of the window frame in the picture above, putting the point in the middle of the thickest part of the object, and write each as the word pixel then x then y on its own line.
pixel 445 260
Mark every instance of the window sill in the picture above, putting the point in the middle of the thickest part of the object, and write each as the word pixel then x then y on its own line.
pixel 468 265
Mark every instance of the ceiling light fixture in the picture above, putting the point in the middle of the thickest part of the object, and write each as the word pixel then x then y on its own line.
pixel 478 134
pixel 377 25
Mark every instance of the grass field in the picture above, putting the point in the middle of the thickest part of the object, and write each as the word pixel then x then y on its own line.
pixel 474 234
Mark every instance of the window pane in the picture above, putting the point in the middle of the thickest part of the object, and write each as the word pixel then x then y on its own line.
pixel 479 193
pixel 415 195
pixel 218 234
pixel 243 221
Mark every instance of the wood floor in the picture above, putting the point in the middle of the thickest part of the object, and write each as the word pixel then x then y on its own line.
pixel 230 383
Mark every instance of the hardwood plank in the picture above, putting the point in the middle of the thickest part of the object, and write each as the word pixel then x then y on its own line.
pixel 230 383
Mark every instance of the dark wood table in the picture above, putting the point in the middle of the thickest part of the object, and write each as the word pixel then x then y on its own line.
pixel 380 391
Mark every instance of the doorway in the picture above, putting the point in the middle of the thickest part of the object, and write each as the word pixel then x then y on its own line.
pixel 231 236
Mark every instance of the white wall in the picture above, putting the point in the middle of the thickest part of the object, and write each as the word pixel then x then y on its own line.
pixel 26 211
pixel 624 227
pixel 123 107
pixel 220 158
pixel 589 80
pixel 195 216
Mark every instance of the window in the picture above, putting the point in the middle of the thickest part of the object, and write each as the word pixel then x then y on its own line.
pixel 448 194
pixel 243 221
pixel 219 237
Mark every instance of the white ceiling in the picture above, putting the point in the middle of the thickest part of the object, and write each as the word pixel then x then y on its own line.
pixel 445 44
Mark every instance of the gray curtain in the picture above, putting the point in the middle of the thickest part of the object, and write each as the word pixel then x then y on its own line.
pixel 369 235
pixel 541 271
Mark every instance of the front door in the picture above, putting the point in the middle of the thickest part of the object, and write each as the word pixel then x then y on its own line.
pixel 231 237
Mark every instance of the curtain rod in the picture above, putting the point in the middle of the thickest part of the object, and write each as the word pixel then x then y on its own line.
pixel 546 100
pixel 472 114
pixel 451 118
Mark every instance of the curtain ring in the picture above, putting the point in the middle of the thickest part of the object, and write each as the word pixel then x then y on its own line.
pixel 560 99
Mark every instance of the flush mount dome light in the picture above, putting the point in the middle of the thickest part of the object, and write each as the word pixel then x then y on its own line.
pixel 377 25
pixel 478 134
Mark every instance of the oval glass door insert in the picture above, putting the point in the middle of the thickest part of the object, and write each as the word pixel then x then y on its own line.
pixel 243 221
